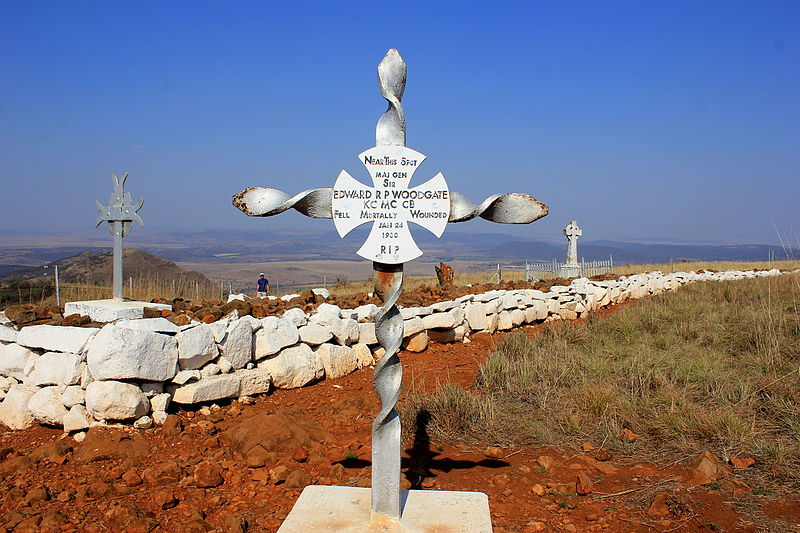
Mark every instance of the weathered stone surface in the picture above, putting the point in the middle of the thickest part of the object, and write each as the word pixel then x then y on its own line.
pixel 72 396
pixel 314 334
pixel 122 353
pixel 418 342
pixel 338 361
pixel 13 360
pixel 109 310
pixel 152 388
pixel 115 400
pixel 439 320
pixel 160 402
pixel 77 419
pixel 412 326
pixel 158 325
pixel 211 369
pixel 297 316
pixel 55 368
pixel 254 382
pixel 444 336
pixel 362 354
pixel 294 367
pixel 504 322
pixel 14 411
pixel 212 388
pixel 475 313
pixel 326 308
pixel 8 334
pixel 366 313
pixel 196 347
pixel 366 333
pixel 517 317
pixel 224 364
pixel 56 338
pixel 185 376
pixel 237 346
pixel 6 383
pixel 45 406
pixel 345 331
pixel 274 335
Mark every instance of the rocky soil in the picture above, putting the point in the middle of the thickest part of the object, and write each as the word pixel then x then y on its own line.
pixel 241 466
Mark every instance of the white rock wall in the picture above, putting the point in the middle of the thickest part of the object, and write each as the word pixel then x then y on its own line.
pixel 133 369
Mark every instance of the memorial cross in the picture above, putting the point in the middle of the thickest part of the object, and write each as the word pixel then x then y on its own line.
pixel 572 232
pixel 119 213
pixel 389 205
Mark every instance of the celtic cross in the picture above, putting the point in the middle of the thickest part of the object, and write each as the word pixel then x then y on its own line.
pixel 572 232
pixel 390 204
pixel 119 213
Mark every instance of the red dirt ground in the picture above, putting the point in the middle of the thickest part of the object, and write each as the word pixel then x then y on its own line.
pixel 208 476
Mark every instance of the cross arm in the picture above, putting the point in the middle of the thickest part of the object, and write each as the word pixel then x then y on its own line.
pixel 508 208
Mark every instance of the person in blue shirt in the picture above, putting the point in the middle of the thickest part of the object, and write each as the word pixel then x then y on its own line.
pixel 263 286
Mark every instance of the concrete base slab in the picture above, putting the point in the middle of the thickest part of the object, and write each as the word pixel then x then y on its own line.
pixel 322 508
pixel 110 310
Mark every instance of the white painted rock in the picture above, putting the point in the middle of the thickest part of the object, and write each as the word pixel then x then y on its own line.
pixel 475 314
pixel 446 320
pixel 196 347
pixel 345 331
pixel 326 308
pixel 7 383
pixel 274 335
pixel 224 364
pixel 115 400
pixel 293 367
pixel 338 361
pixel 211 369
pixel 213 388
pixel 289 297
pixel 46 407
pixel 504 321
pixel 13 360
pixel 413 326
pixel 55 368
pixel 297 316
pixel 362 354
pixel 367 312
pixel 14 411
pixel 158 325
pixel 237 346
pixel 77 419
pixel 160 402
pixel 72 396
pixel 366 333
pixel 56 338
pixel 254 382
pixel 8 334
pixel 314 334
pixel 122 353
pixel 185 376
pixel 325 293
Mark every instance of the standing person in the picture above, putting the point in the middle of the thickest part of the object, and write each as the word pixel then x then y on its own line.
pixel 263 286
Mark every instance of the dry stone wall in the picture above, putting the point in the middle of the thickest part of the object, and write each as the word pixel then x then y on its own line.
pixel 131 370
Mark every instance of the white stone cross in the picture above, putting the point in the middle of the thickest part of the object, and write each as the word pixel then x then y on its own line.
pixel 572 232
pixel 119 213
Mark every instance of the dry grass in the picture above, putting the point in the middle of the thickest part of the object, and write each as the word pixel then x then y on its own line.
pixel 715 364
pixel 345 288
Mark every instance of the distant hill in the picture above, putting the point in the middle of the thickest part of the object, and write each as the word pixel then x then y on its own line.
pixel 88 267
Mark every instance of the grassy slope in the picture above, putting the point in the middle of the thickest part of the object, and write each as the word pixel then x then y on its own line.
pixel 715 364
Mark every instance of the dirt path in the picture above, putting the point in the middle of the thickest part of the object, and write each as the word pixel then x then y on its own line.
pixel 241 467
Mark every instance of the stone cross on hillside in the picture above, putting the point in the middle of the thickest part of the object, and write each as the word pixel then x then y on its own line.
pixel 119 213
pixel 572 232
pixel 390 204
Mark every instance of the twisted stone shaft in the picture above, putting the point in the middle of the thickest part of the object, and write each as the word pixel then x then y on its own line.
pixel 508 208
pixel 388 376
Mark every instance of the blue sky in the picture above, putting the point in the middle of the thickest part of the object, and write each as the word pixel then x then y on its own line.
pixel 670 120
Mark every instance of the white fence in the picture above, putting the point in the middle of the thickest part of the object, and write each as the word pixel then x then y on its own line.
pixel 555 269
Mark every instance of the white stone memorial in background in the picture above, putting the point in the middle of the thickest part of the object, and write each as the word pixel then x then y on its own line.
pixel 572 268
pixel 390 204
pixel 120 213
